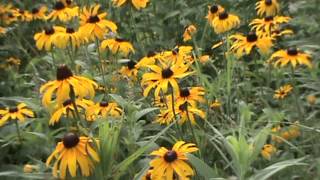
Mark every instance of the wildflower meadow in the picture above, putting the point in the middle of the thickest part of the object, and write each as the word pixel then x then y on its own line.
pixel 160 89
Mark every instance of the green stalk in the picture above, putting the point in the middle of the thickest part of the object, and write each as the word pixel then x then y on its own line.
pixel 296 93
pixel 101 65
pixel 18 131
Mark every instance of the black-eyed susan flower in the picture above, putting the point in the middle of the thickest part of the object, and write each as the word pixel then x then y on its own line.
pixel 243 45
pixel 311 99
pixel 103 109
pixel 285 132
pixel 22 15
pixel 216 104
pixel 138 4
pixel 9 18
pixel 62 12
pixel 61 87
pixel 68 36
pixel 213 11
pixel 267 7
pixel 46 38
pixel 169 162
pixel 150 59
pixel 94 25
pixel 130 69
pixel 162 76
pixel 39 13
pixel 3 30
pixel 183 110
pixel 225 22
pixel 291 56
pixel 68 110
pixel 282 92
pixel 191 95
pixel 19 112
pixel 67 3
pixel 189 31
pixel 117 46
pixel 71 153
pixel 269 24
pixel 178 55
pixel 268 150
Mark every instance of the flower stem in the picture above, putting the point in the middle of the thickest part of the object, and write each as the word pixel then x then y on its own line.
pixel 18 132
pixel 296 93
pixel 101 65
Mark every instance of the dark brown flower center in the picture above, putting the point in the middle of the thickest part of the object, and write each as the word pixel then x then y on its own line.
pixel 184 92
pixel 67 102
pixel 70 140
pixel 268 2
pixel 214 9
pixel 93 19
pixel 223 15
pixel 10 15
pixel 68 2
pixel 166 73
pixel 175 51
pixel 151 54
pixel 104 104
pixel 35 11
pixel 252 37
pixel 183 107
pixel 59 6
pixel 63 72
pixel 131 65
pixel 148 176
pixel 292 51
pixel 49 31
pixel 268 18
pixel 170 156
pixel 70 30
pixel 120 40
pixel 13 109
pixel 21 11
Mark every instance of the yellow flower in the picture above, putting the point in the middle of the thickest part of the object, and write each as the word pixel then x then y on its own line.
pixel 61 87
pixel 67 109
pixel 189 32
pixel 23 15
pixel 13 61
pixel 268 150
pixel 225 22
pixel 46 38
pixel 267 7
pixel 178 55
pixel 62 12
pixel 103 109
pixel 117 46
pixel 293 56
pixel 191 95
pixel 213 11
pixel 130 70
pixel 185 111
pixel 18 112
pixel 243 45
pixel 168 162
pixel 9 18
pixel 28 168
pixel 163 75
pixel 3 30
pixel 282 92
pixel 279 32
pixel 285 132
pixel 216 104
pixel 204 59
pixel 268 24
pixel 138 4
pixel 94 25
pixel 150 59
pixel 68 36
pixel 71 153
pixel 39 13
pixel 312 99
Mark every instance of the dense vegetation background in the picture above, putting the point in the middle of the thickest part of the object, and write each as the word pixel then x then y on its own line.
pixel 247 114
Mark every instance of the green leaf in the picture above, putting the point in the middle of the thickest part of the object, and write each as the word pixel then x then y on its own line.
pixel 274 168
pixel 143 112
pixel 201 167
